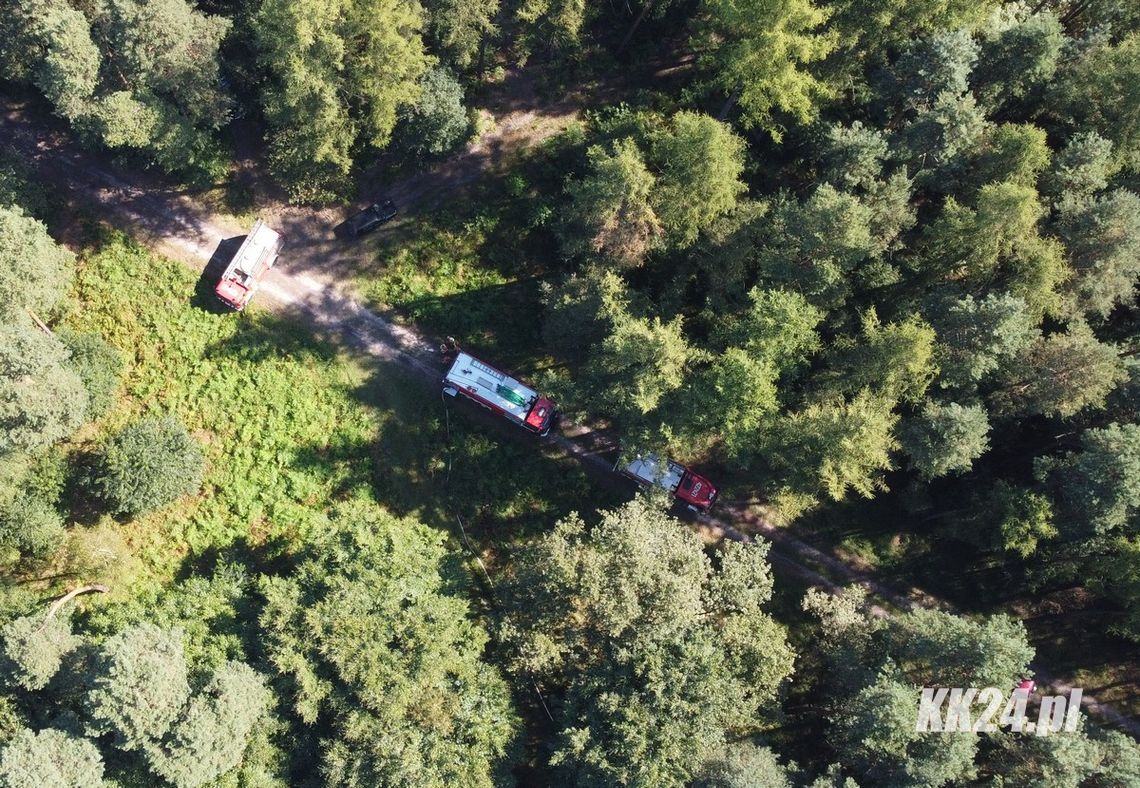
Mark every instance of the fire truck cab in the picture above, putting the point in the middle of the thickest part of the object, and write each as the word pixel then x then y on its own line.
pixel 499 392
pixel 256 255
pixel 691 489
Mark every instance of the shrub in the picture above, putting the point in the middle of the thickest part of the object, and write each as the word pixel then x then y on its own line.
pixel 32 526
pixel 98 365
pixel 149 464
pixel 438 121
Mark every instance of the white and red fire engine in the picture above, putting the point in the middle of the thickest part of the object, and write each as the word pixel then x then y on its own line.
pixel 252 261
pixel 498 392
pixel 693 490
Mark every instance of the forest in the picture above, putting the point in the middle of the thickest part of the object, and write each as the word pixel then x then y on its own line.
pixel 871 265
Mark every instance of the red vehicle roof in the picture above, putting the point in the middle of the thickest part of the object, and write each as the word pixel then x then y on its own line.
pixel 540 414
pixel 696 490
pixel 232 292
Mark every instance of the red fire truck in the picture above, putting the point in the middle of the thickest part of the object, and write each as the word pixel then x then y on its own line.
pixel 256 255
pixel 498 392
pixel 693 490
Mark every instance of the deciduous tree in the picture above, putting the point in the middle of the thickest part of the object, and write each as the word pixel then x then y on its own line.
pixel 1018 57
pixel 211 736
pixel 33 648
pixel 582 310
pixel 371 634
pixel 35 272
pixel 663 655
pixel 50 758
pixel 1102 237
pixel 1101 91
pixel 1060 375
pixel 635 365
pixel 437 122
pixel 835 446
pixel 1098 488
pixel 977 337
pixel 138 686
pixel 698 161
pixel 42 400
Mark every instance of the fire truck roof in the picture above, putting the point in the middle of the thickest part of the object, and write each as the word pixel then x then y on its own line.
pixel 653 470
pixel 256 250
pixel 488 383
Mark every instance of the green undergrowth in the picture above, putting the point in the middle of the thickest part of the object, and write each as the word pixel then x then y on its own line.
pixel 261 398
pixel 291 425
pixel 472 268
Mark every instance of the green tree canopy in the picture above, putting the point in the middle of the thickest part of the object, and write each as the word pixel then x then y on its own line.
pixel 1098 488
pixel 50 759
pixel 1018 57
pixel 582 309
pixel 610 212
pixel 368 633
pixel 654 651
pixel 698 162
pixel 98 365
pixel 459 29
pixel 760 50
pixel 339 74
pixel 978 337
pixel 34 647
pixel 834 446
pixel 876 734
pixel 635 365
pixel 437 122
pixel 1019 518
pixel 35 272
pixel 42 400
pixel 945 438
pixel 895 360
pixel 142 76
pixel 211 736
pixel 1080 169
pixel 813 247
pixel 1101 91
pixel 869 31
pixel 138 686
pixel 931 67
pixel 1103 240
pixel 744 765
pixel 853 155
pixel 1060 375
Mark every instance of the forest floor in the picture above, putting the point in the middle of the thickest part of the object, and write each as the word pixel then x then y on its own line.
pixel 308 287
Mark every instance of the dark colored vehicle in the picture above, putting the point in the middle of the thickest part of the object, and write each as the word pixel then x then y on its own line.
pixel 371 217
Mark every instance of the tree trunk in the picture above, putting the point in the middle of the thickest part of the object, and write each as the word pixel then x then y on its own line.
pixel 729 103
pixel 70 595
pixel 40 323
pixel 636 24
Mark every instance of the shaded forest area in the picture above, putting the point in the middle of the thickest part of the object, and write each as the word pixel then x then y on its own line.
pixel 846 252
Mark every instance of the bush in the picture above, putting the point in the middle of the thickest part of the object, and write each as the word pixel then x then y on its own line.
pixel 31 526
pixel 438 121
pixel 149 464
pixel 98 365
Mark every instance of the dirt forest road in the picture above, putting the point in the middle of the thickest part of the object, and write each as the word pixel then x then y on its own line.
pixel 302 287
